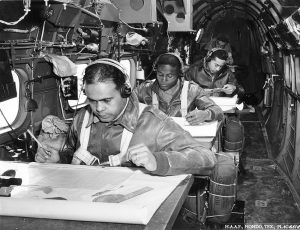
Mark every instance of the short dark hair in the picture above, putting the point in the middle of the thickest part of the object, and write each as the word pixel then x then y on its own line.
pixel 100 72
pixel 169 59
pixel 222 38
pixel 219 53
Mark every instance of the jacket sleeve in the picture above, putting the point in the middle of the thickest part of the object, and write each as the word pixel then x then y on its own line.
pixel 232 80
pixel 203 102
pixel 66 154
pixel 191 73
pixel 180 153
pixel 143 91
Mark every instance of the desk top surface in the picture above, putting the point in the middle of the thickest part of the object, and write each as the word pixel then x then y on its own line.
pixel 163 218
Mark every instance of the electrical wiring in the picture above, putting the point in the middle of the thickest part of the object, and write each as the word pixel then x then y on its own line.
pixel 26 4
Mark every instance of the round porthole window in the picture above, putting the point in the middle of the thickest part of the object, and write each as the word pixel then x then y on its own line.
pixel 169 9
pixel 136 4
pixel 180 17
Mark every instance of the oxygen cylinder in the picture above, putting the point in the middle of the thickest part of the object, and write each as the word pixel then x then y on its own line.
pixel 233 135
pixel 267 94
pixel 222 189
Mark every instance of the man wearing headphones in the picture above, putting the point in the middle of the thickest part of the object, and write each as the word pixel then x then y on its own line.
pixel 174 96
pixel 217 80
pixel 214 76
pixel 166 93
pixel 114 126
pixel 221 41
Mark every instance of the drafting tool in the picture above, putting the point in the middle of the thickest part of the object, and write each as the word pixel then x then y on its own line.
pixel 38 142
pixel 118 198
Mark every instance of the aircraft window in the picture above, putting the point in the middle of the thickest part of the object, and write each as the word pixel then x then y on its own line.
pixel 130 67
pixel 199 35
pixel 287 71
pixel 297 74
pixel 126 65
pixel 10 107
pixel 81 101
pixel 293 75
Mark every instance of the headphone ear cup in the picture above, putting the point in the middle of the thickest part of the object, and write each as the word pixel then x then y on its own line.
pixel 83 89
pixel 125 91
pixel 208 59
pixel 154 65
pixel 208 55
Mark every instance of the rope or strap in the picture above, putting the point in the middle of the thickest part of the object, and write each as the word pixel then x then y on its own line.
pixel 82 155
pixel 225 155
pixel 230 196
pixel 183 99
pixel 115 160
pixel 154 100
pixel 234 184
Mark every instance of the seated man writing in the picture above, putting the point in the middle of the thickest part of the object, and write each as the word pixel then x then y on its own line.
pixel 214 76
pixel 176 97
pixel 114 123
pixel 218 80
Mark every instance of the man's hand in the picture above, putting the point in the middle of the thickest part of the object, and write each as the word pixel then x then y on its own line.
pixel 229 89
pixel 47 155
pixel 140 155
pixel 196 117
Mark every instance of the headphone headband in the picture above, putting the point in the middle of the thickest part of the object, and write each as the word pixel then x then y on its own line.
pixel 172 54
pixel 211 52
pixel 115 64
pixel 125 89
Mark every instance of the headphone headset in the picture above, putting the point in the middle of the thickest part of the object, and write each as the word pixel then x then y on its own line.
pixel 211 52
pixel 125 89
pixel 154 66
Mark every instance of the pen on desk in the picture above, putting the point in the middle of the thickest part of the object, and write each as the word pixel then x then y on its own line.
pixel 191 114
pixel 38 142
pixel 105 163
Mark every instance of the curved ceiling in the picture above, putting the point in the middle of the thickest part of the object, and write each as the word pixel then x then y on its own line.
pixel 279 18
pixel 275 10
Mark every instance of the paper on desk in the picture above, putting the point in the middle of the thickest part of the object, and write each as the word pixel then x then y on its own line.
pixel 58 191
pixel 227 103
pixel 206 129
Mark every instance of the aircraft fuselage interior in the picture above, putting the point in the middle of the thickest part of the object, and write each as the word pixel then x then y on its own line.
pixel 45 46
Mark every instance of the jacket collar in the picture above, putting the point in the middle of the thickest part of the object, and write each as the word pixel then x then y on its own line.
pixel 128 119
pixel 155 88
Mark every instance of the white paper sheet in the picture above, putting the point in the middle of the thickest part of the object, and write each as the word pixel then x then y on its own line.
pixel 141 194
pixel 206 129
pixel 227 103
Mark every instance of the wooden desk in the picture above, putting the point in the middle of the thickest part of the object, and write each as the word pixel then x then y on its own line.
pixel 163 218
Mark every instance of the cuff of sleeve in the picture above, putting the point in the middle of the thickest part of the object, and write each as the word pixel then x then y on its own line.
pixel 212 115
pixel 236 91
pixel 162 164
pixel 65 157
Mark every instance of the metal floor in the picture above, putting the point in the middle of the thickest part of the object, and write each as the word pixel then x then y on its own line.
pixel 261 188
pixel 267 197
